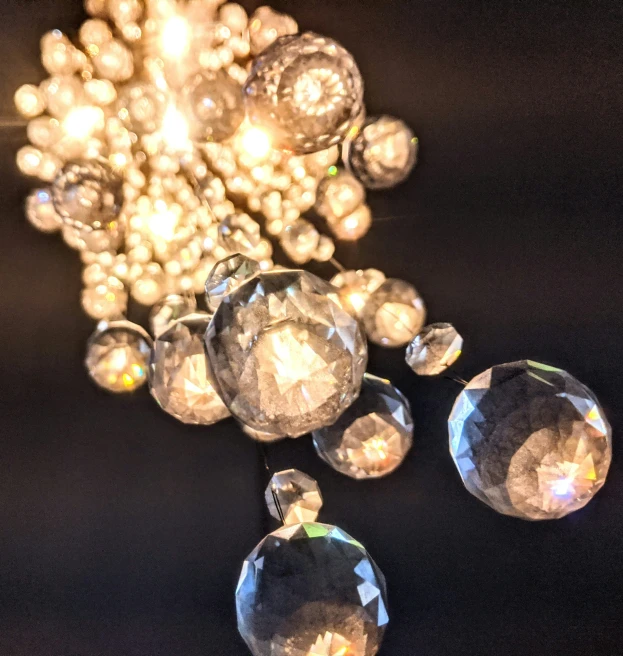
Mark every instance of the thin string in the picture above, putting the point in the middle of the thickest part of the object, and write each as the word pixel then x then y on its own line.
pixel 455 378
pixel 273 488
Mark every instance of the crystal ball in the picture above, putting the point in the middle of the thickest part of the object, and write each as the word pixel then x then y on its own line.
pixel 311 589
pixel 530 440
pixel 214 105
pixel 382 152
pixel 286 356
pixel 306 90
pixel 142 107
pixel 87 194
pixel 372 438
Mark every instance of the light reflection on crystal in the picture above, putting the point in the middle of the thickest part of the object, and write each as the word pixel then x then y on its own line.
pixel 434 349
pixel 530 440
pixel 298 495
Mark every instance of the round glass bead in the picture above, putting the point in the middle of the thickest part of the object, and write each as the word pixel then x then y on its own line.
pixel 306 90
pixel 114 61
pixel 40 211
pixel 88 194
pixel 170 308
pixel 142 107
pixel 29 101
pixel 355 287
pixel 286 356
pixel 311 589
pixel 339 195
pixel 106 300
pixel 178 373
pixel 300 241
pixel 373 437
pixel 434 349
pixel 214 104
pixel 382 152
pixel 118 355
pixel 297 494
pixel 226 276
pixel 352 227
pixel 393 314
pixel 266 25
pixel 530 440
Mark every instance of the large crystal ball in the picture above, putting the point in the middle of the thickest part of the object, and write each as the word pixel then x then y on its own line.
pixel 311 589
pixel 286 356
pixel 306 90
pixel 530 440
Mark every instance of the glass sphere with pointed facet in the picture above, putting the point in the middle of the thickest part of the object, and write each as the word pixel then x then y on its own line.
pixel 293 497
pixel 530 440
pixel 306 91
pixel 286 356
pixel 310 589
pixel 435 348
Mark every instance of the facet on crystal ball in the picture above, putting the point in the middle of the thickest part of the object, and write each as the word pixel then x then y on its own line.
pixel 356 287
pixel 226 276
pixel 179 376
pixel 169 309
pixel 118 355
pixel 88 194
pixel 285 354
pixel 214 104
pixel 297 494
pixel 372 438
pixel 311 589
pixel 382 152
pixel 393 314
pixel 434 349
pixel 306 90
pixel 530 440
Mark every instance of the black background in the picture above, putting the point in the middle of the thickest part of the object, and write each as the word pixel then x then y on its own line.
pixel 122 532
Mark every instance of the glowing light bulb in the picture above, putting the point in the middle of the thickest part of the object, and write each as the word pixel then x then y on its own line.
pixel 175 130
pixel 256 143
pixel 82 122
pixel 163 225
pixel 175 37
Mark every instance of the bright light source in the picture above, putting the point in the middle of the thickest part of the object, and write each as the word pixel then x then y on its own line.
pixel 82 122
pixel 175 37
pixel 256 143
pixel 163 225
pixel 175 130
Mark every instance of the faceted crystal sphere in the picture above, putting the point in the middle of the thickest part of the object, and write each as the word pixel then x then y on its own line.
pixel 434 349
pixel 178 373
pixel 226 276
pixel 239 233
pixel 118 355
pixel 169 309
pixel 298 495
pixel 311 590
pixel 306 90
pixel 142 107
pixel 88 195
pixel 372 438
pixel 382 153
pixel 530 440
pixel 394 313
pixel 41 213
pixel 285 354
pixel 339 195
pixel 214 103
pixel 355 287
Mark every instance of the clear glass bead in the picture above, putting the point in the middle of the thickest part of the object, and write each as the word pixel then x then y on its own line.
pixel 114 61
pixel 306 90
pixel 311 589
pixel 106 300
pixel 94 32
pixel 353 226
pixel 118 355
pixel 298 496
pixel 168 309
pixel 57 54
pixel 287 357
pixel 29 101
pixel 100 92
pixel 393 314
pixel 214 102
pixel 382 152
pixel 239 233
pixel 434 349
pixel 62 94
pixel 226 276
pixel 44 132
pixel 142 107
pixel 372 438
pixel 29 160
pixel 88 194
pixel 40 211
pixel 300 241
pixel 266 25
pixel 530 440
pixel 339 195
pixel 149 287
pixel 356 287
pixel 178 373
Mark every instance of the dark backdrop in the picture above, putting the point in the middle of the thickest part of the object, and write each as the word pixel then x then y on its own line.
pixel 122 532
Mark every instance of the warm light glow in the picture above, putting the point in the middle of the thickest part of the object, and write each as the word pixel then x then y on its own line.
pixel 256 143
pixel 175 37
pixel 82 122
pixel 163 225
pixel 175 130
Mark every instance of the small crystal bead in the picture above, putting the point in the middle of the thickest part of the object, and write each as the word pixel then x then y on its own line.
pixel 226 276
pixel 373 436
pixel 393 314
pixel 118 355
pixel 107 300
pixel 339 195
pixel 239 233
pixel 29 100
pixel 435 348
pixel 355 287
pixel 298 496
pixel 168 309
pixel 266 25
pixel 40 211
pixel 353 226
pixel 300 241
pixel 179 376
